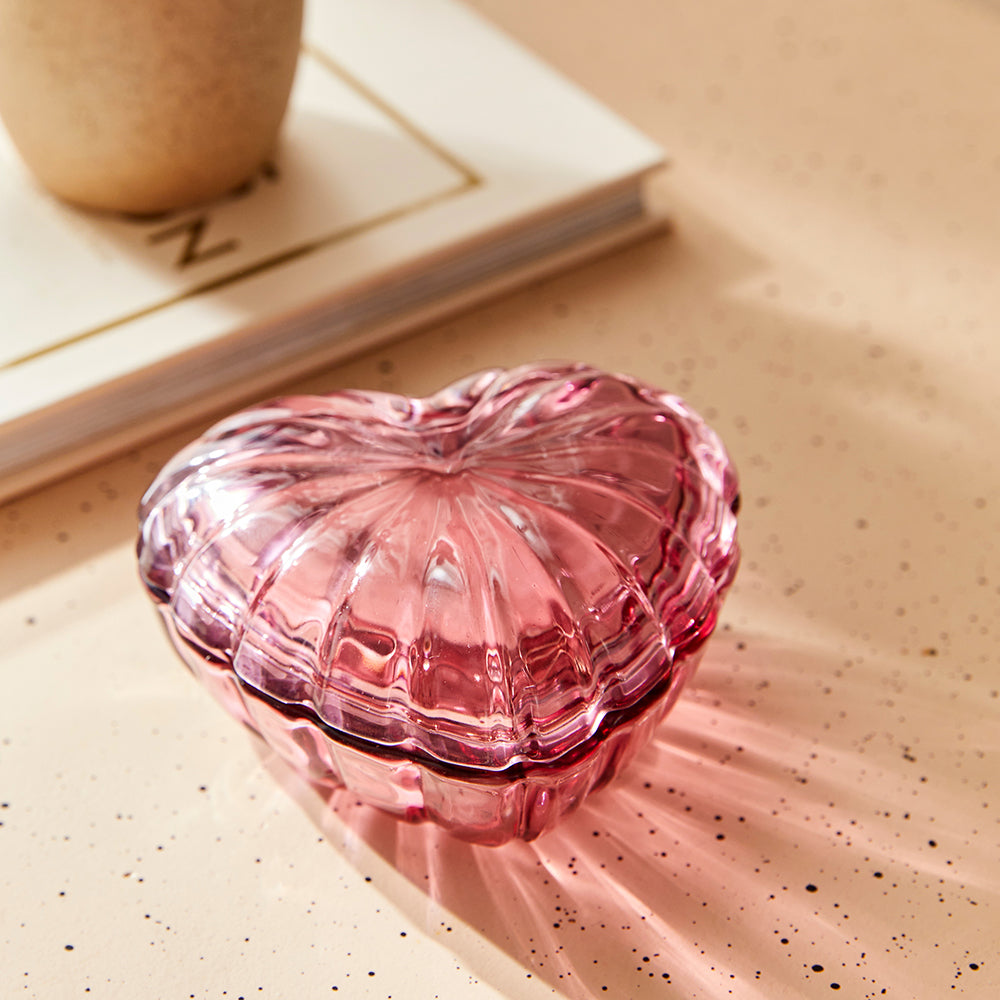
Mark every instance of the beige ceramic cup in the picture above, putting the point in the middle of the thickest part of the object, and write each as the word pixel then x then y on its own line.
pixel 146 105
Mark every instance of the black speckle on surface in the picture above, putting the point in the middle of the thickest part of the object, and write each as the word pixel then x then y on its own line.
pixel 811 888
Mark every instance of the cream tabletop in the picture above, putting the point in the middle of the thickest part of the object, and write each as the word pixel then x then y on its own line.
pixel 819 814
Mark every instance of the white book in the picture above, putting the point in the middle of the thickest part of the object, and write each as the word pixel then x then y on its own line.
pixel 426 162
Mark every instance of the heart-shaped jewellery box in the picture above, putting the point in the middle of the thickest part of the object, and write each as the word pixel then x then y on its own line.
pixel 471 608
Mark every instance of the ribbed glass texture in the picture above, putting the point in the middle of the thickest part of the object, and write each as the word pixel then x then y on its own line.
pixel 471 607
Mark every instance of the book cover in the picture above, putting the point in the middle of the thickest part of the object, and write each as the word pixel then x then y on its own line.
pixel 426 161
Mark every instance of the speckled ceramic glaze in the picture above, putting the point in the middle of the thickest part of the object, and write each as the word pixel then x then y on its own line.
pixel 146 107
pixel 472 608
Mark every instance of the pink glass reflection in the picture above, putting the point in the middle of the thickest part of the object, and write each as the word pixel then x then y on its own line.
pixel 472 608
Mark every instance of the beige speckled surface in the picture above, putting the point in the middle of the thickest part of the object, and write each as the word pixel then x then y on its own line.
pixel 819 815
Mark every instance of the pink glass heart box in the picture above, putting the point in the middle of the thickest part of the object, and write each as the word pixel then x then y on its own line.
pixel 471 608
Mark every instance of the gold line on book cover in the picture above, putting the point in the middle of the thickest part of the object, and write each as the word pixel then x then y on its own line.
pixel 468 179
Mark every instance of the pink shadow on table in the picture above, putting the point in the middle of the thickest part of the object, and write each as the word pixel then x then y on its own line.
pixel 735 826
